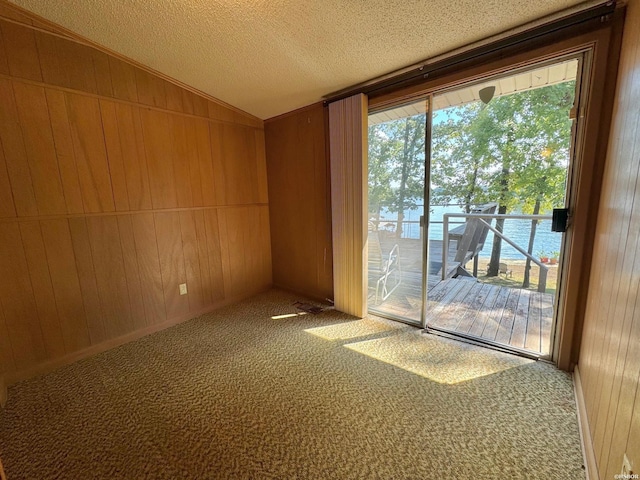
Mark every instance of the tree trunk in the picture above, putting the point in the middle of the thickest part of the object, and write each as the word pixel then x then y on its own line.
pixel 469 196
pixel 496 248
pixel 404 177
pixel 532 237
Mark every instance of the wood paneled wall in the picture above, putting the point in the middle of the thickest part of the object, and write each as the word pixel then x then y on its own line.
pixel 609 363
pixel 299 200
pixel 116 186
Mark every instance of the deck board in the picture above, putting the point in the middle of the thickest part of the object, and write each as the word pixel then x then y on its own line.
pixel 480 321
pixel 532 341
pixel 494 317
pixel 515 317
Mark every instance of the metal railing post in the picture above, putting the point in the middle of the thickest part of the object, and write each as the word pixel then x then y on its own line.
pixel 445 244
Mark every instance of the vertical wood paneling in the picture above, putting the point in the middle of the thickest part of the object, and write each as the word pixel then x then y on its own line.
pixel 608 361
pixel 169 239
pixel 115 157
pixel 34 118
pixel 191 254
pixel 123 80
pixel 348 154
pixel 150 89
pixel 174 97
pixel 193 155
pixel 261 163
pixel 180 156
pixel 132 271
pixel 77 65
pixel 300 214
pixel 144 232
pixel 15 153
pixel 102 73
pixel 91 156
pixel 6 349
pixel 7 207
pixel 66 285
pixel 187 101
pixel 132 145
pixel 158 146
pixel 214 242
pixel 87 280
pixel 21 51
pixel 4 63
pixel 64 150
pixel 265 250
pixel 203 256
pixel 234 165
pixel 16 295
pixel 207 181
pixel 235 243
pixel 51 68
pixel 77 155
pixel 41 282
pixel 111 279
pixel 200 107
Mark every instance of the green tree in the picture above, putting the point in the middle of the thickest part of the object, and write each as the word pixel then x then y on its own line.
pixel 513 151
pixel 396 166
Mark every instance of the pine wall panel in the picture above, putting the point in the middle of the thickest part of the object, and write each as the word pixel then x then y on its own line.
pixel 609 364
pixel 116 186
pixel 300 201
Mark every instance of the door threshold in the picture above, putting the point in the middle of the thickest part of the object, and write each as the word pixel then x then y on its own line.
pixel 483 343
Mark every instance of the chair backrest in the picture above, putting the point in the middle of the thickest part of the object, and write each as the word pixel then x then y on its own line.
pixel 474 236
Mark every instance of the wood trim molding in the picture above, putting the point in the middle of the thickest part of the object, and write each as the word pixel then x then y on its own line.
pixel 258 126
pixel 37 218
pixel 297 111
pixel 2 475
pixel 52 28
pixel 56 363
pixel 588 453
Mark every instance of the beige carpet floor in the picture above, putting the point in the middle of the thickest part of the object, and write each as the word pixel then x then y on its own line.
pixel 254 391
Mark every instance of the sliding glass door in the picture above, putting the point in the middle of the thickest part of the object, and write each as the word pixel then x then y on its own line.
pixel 461 196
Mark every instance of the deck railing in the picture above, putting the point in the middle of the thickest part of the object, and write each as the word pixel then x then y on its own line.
pixel 542 280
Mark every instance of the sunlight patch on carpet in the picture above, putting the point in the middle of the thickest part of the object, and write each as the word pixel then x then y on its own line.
pixel 353 329
pixel 442 361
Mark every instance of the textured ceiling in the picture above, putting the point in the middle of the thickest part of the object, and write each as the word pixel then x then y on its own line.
pixel 269 57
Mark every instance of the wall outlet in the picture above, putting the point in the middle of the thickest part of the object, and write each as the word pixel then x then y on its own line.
pixel 183 289
pixel 626 468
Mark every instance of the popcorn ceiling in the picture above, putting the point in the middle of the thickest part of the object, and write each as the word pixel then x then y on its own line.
pixel 268 57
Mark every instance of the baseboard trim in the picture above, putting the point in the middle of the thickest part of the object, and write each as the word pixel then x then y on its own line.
pixel 50 365
pixel 307 295
pixel 589 455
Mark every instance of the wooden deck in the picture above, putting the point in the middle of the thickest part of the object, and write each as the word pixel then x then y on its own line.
pixel 515 317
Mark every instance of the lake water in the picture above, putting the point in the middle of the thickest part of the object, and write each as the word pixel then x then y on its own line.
pixel 517 230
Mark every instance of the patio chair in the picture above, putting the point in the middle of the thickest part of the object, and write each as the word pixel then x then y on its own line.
pixel 384 270
pixel 470 239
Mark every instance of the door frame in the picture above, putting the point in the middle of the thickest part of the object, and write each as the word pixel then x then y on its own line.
pixel 595 113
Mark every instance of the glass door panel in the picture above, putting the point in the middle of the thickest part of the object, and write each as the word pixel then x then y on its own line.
pixel 396 205
pixel 500 155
